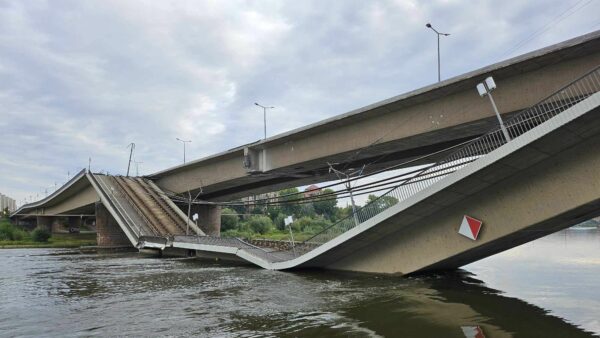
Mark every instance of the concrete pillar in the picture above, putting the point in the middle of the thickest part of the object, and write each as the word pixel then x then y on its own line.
pixel 108 232
pixel 57 225
pixel 45 222
pixel 209 219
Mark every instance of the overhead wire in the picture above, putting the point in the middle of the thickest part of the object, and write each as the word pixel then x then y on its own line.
pixel 549 25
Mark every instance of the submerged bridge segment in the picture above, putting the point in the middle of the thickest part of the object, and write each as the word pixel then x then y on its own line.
pixel 541 181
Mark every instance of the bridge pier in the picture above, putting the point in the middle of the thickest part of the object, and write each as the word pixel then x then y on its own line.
pixel 209 219
pixel 108 232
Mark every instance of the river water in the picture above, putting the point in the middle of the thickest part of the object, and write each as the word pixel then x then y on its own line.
pixel 546 288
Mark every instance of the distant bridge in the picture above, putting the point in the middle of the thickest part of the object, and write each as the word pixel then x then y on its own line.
pixel 543 180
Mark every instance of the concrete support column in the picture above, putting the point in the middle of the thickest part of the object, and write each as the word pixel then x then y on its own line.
pixel 58 225
pixel 108 232
pixel 209 219
pixel 45 222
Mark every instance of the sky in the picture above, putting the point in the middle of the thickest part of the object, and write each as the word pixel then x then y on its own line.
pixel 83 79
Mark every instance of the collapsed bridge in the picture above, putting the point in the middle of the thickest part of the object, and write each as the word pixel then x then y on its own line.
pixel 542 180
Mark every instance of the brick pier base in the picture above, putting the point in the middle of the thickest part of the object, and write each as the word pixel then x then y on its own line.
pixel 108 232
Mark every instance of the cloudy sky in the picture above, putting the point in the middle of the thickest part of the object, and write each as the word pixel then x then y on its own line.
pixel 82 79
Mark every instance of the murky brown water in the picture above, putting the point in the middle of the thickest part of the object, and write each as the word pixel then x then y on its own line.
pixel 548 288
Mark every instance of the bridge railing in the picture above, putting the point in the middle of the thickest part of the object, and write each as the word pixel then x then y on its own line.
pixel 124 197
pixel 117 201
pixel 460 157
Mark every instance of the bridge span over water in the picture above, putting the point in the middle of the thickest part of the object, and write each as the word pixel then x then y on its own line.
pixel 544 179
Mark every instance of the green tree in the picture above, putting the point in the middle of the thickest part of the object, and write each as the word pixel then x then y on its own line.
pixel 343 212
pixel 273 211
pixel 307 209
pixel 326 205
pixel 289 208
pixel 229 219
pixel 279 221
pixel 260 224
pixel 239 207
pixel 257 211
pixel 381 203
pixel 310 225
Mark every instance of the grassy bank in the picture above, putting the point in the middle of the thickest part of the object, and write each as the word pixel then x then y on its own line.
pixel 12 236
pixel 275 235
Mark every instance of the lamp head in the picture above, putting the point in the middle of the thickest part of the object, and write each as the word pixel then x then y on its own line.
pixel 481 90
pixel 490 84
pixel 428 25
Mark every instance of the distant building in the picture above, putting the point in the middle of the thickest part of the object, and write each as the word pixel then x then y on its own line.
pixel 250 202
pixel 312 190
pixel 7 203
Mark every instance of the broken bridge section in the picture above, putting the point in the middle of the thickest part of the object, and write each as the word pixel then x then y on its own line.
pixel 145 213
pixel 542 179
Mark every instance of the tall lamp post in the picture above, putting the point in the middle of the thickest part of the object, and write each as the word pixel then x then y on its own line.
pixel 184 142
pixel 264 115
pixel 438 47
pixel 485 89
pixel 132 145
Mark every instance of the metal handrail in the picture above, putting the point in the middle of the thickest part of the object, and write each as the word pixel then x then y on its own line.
pixel 517 125
pixel 137 210
pixel 118 204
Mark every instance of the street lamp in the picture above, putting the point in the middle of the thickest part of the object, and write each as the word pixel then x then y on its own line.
pixel 184 142
pixel 485 89
pixel 438 47
pixel 132 145
pixel 264 115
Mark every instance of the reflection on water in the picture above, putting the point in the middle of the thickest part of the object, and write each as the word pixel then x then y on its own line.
pixel 60 293
pixel 560 272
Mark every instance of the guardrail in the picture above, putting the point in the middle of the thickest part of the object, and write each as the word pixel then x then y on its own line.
pixel 127 218
pixel 517 125
pixel 125 195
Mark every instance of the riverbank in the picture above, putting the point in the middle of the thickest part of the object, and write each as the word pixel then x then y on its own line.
pixel 12 236
pixel 58 240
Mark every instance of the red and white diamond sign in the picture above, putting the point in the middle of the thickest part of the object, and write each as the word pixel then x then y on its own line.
pixel 470 227
pixel 472 332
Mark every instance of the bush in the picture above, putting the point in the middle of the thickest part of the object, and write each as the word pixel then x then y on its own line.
pixel 280 221
pixel 19 234
pixel 260 224
pixel 310 225
pixel 6 232
pixel 40 235
pixel 229 219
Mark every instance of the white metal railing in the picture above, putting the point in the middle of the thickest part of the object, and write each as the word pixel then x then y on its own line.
pixel 123 195
pixel 112 197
